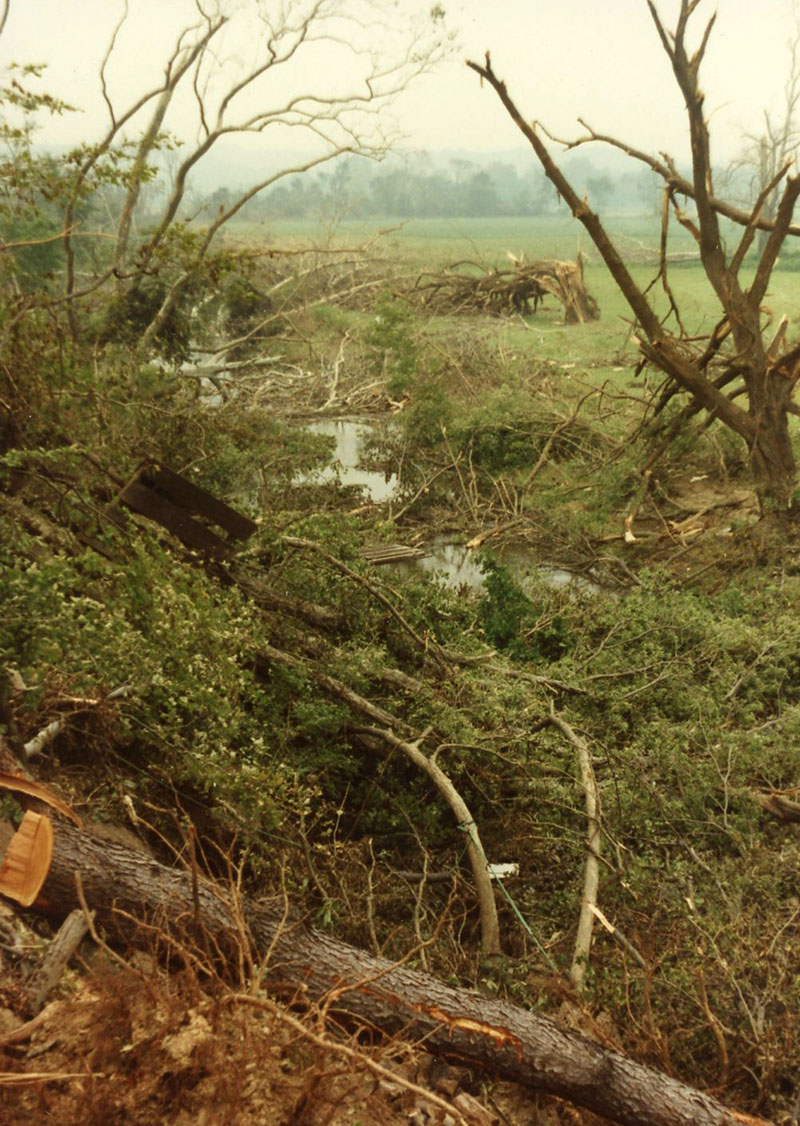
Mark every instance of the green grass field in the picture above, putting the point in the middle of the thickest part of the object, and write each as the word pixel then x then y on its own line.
pixel 435 243
pixel 602 347
pixel 438 242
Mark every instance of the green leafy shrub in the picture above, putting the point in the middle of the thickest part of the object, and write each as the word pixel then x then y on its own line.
pixel 128 316
pixel 512 622
pixel 393 346
pixel 244 305
pixel 430 411
pixel 181 642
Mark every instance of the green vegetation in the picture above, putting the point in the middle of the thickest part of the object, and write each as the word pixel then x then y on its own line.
pixel 246 679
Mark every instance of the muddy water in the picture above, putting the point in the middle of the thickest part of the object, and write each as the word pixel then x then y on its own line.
pixel 455 564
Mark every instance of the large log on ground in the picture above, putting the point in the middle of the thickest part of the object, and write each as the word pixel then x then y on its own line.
pixel 121 885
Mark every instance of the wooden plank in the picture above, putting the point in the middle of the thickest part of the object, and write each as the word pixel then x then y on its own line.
pixel 391 553
pixel 156 507
pixel 187 495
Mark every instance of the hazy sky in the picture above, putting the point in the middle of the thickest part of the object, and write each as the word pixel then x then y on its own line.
pixel 560 59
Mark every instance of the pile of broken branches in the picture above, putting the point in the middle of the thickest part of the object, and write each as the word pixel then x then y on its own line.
pixel 465 287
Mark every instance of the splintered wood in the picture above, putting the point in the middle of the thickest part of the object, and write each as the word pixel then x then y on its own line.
pixel 463 288
pixel 27 859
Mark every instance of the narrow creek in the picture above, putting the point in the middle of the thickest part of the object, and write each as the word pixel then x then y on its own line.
pixel 454 562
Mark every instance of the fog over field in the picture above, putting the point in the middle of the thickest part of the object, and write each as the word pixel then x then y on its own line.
pixel 561 61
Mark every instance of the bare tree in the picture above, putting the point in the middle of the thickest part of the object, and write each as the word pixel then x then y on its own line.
pixel 767 152
pixel 338 101
pixel 744 357
pixel 190 46
pixel 323 69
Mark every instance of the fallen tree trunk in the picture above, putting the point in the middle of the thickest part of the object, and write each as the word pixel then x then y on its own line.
pixel 121 885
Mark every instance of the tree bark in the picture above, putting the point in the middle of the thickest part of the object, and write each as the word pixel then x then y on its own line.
pixel 769 382
pixel 121 885
pixel 772 452
pixel 48 973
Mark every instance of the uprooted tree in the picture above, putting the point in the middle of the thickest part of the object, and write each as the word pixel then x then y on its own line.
pixel 462 289
pixel 745 357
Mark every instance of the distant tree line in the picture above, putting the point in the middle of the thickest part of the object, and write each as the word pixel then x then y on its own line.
pixel 420 187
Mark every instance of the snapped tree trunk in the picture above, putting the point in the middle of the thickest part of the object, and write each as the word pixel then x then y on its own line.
pixel 121 885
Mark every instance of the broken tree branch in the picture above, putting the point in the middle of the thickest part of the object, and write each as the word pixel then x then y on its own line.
pixel 426 644
pixel 522 1046
pixel 490 926
pixel 48 973
pixel 591 878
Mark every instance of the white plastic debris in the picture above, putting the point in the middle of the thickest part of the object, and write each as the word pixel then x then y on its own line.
pixel 502 871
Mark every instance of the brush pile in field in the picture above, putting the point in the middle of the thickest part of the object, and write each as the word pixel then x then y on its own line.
pixel 466 288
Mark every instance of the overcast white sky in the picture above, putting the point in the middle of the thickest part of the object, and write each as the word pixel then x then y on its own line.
pixel 560 58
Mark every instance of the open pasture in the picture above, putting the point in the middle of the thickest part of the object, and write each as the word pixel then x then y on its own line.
pixel 603 347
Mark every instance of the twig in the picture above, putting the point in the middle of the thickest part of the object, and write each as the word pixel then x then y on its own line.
pixel 11 1078
pixel 373 934
pixel 716 1028
pixel 337 367
pixel 345 1050
pixel 796 1110
pixel 191 840
pixel 418 897
pixel 312 871
pixel 37 744
pixel 559 428
pixel 422 489
pixel 732 691
pixel 456 461
pixel 426 645
pixel 619 937
pixel 535 678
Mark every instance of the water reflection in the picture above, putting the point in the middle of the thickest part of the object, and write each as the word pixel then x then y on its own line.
pixel 455 563
pixel 458 566
pixel 351 438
